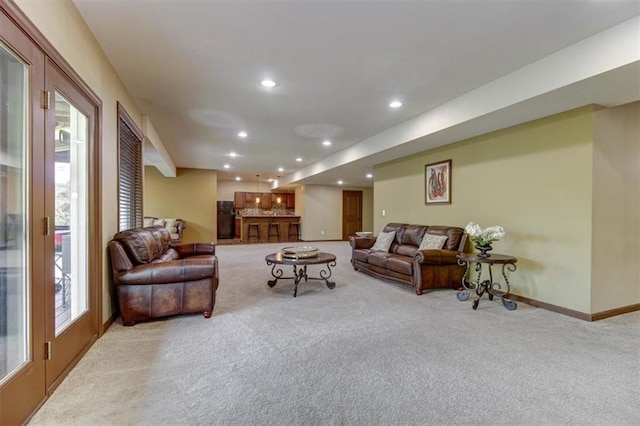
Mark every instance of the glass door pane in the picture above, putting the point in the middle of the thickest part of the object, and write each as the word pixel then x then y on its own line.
pixel 14 306
pixel 71 208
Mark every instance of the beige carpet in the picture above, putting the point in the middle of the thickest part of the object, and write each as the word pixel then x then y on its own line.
pixel 368 352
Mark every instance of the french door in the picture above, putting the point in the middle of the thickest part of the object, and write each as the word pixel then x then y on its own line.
pixel 71 303
pixel 22 258
pixel 48 286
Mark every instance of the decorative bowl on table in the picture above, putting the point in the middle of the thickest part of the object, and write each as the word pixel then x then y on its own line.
pixel 364 234
pixel 299 252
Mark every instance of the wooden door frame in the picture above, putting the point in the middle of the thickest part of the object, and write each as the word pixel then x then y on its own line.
pixel 24 390
pixel 58 366
pixel 96 254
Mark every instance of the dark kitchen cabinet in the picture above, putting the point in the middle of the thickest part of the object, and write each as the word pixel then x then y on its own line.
pixel 239 200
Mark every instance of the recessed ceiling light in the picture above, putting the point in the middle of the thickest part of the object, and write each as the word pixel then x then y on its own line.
pixel 298 159
pixel 267 83
pixel 226 166
pixel 369 175
pixel 395 104
pixel 326 143
pixel 242 134
pixel 232 154
pixel 340 182
pixel 281 169
pixel 238 178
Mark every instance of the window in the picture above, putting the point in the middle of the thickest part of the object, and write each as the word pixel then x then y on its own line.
pixel 129 172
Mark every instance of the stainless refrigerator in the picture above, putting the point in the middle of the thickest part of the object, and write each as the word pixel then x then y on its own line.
pixel 226 220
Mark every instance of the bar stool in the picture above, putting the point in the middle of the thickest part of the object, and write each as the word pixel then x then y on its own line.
pixel 256 234
pixel 294 230
pixel 273 226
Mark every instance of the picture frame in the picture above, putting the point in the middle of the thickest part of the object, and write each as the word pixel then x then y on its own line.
pixel 437 182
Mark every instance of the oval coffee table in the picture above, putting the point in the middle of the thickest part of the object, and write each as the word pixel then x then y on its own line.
pixel 300 268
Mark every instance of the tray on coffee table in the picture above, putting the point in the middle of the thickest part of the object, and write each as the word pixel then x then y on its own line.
pixel 299 252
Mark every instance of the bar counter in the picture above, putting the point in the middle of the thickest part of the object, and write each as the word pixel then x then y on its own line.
pixel 263 221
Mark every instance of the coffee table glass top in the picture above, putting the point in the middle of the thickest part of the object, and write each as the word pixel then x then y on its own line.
pixel 280 258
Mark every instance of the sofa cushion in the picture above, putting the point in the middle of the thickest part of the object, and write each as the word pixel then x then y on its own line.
pixel 454 235
pixel 378 258
pixel 383 242
pixel 406 250
pixel 401 264
pixel 398 228
pixel 431 241
pixel 139 244
pixel 170 254
pixel 413 234
pixel 361 255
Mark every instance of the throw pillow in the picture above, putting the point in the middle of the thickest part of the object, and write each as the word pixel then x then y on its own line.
pixel 147 221
pixel 170 224
pixel 158 222
pixel 431 241
pixel 384 240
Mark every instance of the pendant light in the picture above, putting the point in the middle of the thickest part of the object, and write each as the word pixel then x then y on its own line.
pixel 257 189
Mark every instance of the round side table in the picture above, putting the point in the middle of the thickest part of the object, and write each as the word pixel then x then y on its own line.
pixel 480 286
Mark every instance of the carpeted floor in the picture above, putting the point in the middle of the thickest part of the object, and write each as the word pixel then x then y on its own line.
pixel 368 352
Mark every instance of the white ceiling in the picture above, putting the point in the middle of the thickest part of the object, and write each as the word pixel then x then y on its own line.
pixel 461 68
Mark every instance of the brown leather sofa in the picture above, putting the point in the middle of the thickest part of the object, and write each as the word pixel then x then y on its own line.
pixel 155 279
pixel 404 263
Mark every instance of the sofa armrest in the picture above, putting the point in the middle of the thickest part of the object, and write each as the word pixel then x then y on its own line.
pixel 173 271
pixel 195 249
pixel 436 257
pixel 362 242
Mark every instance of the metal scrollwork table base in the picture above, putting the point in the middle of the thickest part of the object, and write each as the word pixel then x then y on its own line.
pixel 480 286
pixel 300 269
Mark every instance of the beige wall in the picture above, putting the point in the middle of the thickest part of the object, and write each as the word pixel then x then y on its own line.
pixel 190 196
pixel 534 179
pixel 60 22
pixel 616 211
pixel 320 210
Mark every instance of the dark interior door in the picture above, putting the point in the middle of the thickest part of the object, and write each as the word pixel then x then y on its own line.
pixel 351 213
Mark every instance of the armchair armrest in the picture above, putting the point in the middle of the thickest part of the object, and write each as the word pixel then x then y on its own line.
pixel 180 270
pixel 195 249
pixel 362 242
pixel 436 257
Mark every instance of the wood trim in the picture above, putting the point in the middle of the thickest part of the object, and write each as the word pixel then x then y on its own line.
pixel 21 20
pixel 616 311
pixel 575 314
pixel 124 115
pixel 108 323
pixel 550 307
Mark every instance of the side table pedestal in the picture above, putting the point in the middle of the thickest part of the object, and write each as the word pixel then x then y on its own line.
pixel 489 286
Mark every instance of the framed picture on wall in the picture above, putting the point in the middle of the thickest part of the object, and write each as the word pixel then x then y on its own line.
pixel 437 183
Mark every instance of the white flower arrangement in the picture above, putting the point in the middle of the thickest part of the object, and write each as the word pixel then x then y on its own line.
pixel 484 236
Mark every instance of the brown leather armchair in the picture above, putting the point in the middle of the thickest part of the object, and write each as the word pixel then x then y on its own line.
pixel 155 279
